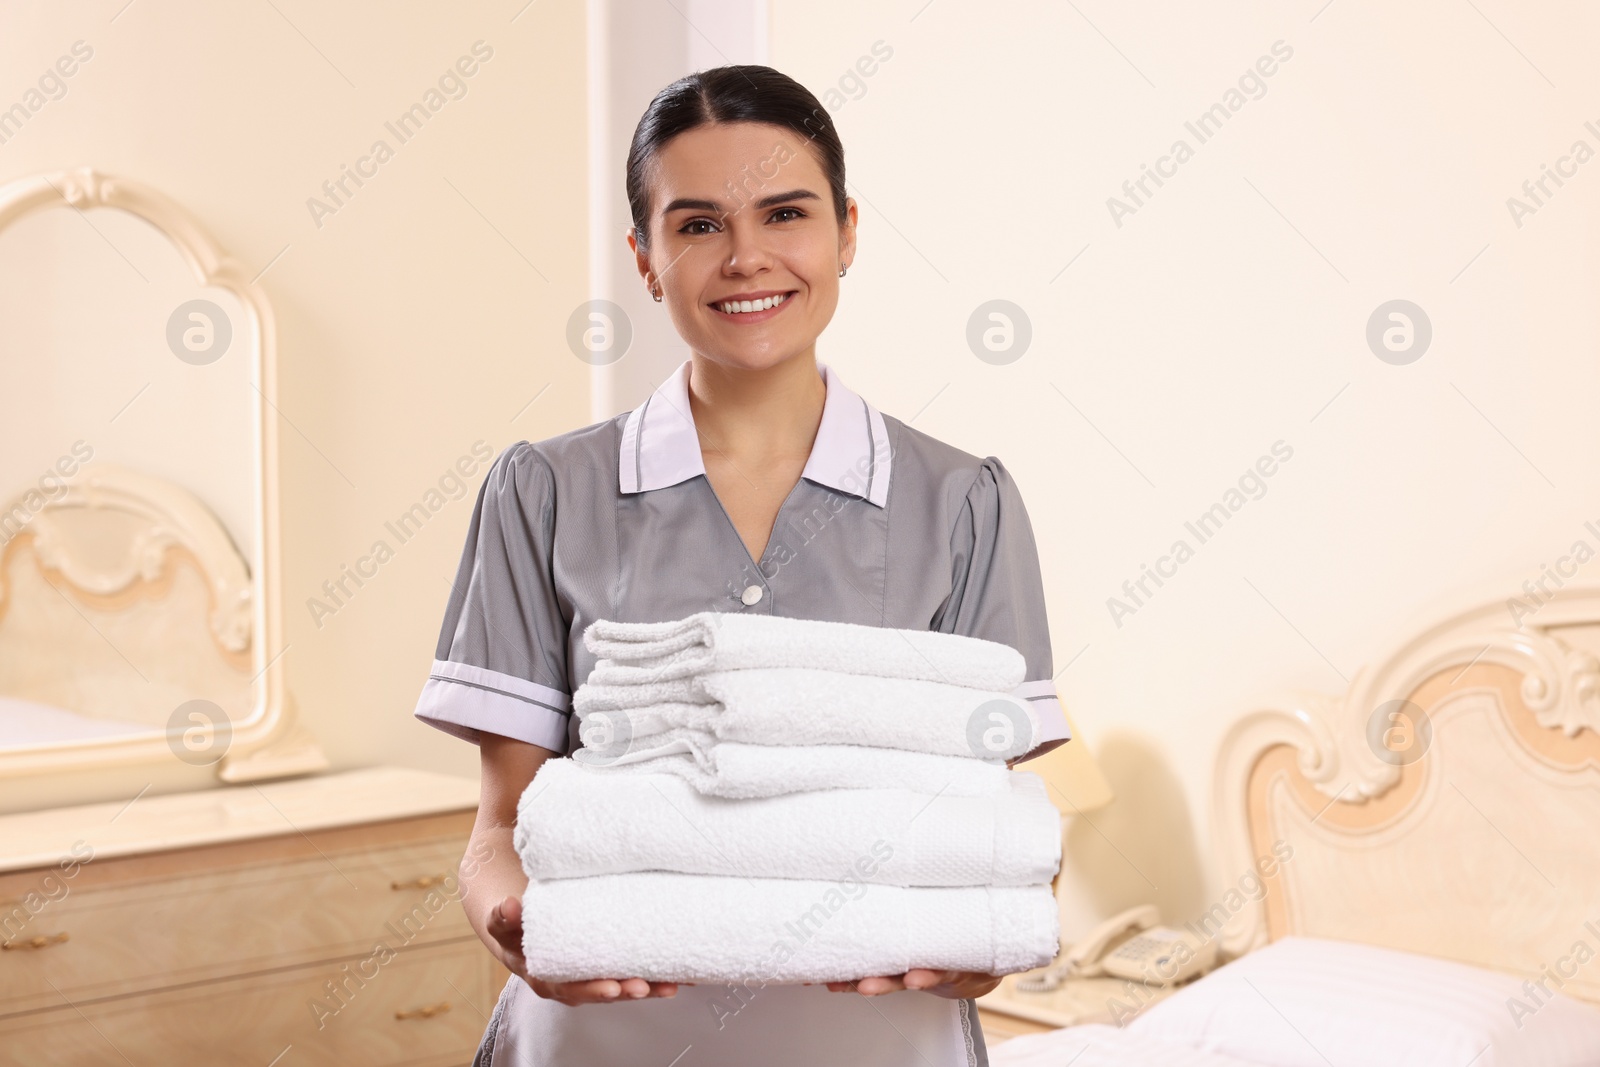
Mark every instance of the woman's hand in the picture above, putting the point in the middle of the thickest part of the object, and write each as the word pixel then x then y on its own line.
pixel 505 927
pixel 491 872
pixel 956 985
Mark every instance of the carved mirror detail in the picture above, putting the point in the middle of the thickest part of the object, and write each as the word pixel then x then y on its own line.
pixel 139 603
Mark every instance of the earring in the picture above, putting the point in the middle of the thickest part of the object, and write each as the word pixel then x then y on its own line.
pixel 842 270
pixel 657 294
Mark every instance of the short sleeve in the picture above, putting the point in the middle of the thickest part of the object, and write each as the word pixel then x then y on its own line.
pixel 998 593
pixel 501 663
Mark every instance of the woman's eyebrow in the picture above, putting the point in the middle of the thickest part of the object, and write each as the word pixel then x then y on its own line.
pixel 683 203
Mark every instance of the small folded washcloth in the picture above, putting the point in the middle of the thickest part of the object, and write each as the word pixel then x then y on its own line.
pixel 574 821
pixel 631 652
pixel 669 927
pixel 805 705
pixel 740 770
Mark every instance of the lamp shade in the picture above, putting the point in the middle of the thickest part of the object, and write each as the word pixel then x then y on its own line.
pixel 1074 778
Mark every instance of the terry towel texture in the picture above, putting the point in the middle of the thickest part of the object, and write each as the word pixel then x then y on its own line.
pixel 741 771
pixel 779 800
pixel 576 821
pixel 807 705
pixel 631 652
pixel 670 927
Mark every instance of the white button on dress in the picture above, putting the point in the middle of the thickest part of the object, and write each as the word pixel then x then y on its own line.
pixel 617 520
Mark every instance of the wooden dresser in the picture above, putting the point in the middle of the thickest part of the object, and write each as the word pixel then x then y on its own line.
pixel 309 921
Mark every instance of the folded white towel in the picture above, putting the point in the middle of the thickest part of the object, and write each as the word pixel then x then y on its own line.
pixel 740 770
pixel 575 821
pixel 711 640
pixel 669 927
pixel 805 705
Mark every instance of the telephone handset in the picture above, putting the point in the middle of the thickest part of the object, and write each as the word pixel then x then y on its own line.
pixel 1132 946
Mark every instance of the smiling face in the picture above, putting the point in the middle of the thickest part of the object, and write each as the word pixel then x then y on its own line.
pixel 741 213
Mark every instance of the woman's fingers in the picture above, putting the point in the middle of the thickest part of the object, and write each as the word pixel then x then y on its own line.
pixel 602 990
pixel 958 985
pixel 879 984
pixel 866 986
pixel 505 924
pixel 919 978
pixel 923 978
pixel 637 988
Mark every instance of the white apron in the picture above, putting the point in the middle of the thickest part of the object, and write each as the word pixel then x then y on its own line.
pixel 776 1026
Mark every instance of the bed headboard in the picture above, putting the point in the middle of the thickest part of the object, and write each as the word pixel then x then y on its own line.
pixel 1447 804
pixel 120 598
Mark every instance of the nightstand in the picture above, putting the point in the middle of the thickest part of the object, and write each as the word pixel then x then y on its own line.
pixel 1008 1012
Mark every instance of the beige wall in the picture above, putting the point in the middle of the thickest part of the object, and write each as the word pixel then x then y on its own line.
pixel 421 317
pixel 1227 313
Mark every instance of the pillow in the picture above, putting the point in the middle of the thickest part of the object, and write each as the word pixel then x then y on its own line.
pixel 1308 1002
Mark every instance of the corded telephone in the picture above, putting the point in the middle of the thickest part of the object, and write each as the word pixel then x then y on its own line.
pixel 1131 946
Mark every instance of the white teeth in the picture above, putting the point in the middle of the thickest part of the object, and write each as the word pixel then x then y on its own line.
pixel 738 307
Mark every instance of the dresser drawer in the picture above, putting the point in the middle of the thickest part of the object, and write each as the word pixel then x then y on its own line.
pixel 154 922
pixel 425 1006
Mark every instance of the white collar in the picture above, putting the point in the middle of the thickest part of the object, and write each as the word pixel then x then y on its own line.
pixel 851 453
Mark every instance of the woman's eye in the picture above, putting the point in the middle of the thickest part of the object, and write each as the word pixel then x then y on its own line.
pixel 689 227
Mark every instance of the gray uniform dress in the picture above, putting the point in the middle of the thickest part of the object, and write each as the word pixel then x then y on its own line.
pixel 886 527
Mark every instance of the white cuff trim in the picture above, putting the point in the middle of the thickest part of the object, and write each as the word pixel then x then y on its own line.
pixel 1044 687
pixel 554 699
pixel 1041 696
pixel 463 701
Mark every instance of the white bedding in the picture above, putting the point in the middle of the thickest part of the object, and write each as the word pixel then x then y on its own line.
pixel 1103 1046
pixel 1310 1002
pixel 25 722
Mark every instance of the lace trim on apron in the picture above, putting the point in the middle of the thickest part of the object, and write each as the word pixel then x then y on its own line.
pixel 484 1057
pixel 977 1055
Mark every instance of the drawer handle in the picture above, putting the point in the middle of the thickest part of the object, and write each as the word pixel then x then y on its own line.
pixel 42 941
pixel 424 1013
pixel 425 882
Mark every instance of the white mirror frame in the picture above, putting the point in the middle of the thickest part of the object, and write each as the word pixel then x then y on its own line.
pixel 271 743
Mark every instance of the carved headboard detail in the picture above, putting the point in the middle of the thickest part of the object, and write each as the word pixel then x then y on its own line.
pixel 1448 804
pixel 122 596
pixel 166 518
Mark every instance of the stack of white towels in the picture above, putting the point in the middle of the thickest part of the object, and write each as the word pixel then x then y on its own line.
pixel 789 800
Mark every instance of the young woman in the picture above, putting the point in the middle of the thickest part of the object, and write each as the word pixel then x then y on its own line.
pixel 752 480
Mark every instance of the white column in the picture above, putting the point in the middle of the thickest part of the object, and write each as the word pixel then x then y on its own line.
pixel 636 50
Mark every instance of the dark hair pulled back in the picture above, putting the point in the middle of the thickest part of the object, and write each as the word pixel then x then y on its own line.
pixel 736 93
